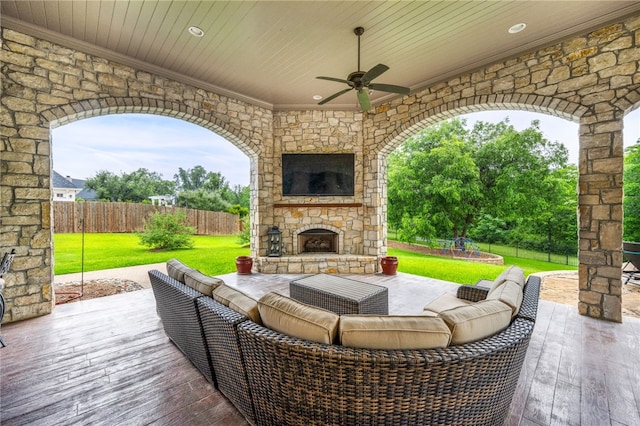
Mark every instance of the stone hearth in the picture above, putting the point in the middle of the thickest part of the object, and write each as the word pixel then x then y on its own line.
pixel 316 263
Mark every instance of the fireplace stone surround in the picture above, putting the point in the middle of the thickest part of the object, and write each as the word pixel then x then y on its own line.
pixel 341 223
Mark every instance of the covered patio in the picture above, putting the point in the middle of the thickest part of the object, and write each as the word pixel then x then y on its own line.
pixel 248 73
pixel 108 361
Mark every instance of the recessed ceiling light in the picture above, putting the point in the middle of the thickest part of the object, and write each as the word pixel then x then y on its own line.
pixel 317 97
pixel 517 28
pixel 196 31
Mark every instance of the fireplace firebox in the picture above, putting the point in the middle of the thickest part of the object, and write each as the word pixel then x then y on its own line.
pixel 317 240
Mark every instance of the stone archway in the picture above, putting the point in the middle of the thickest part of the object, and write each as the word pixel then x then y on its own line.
pixel 599 192
pixel 592 78
pixel 59 116
pixel 39 94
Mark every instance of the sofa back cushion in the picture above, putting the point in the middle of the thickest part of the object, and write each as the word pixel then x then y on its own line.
pixel 203 283
pixel 509 293
pixel 177 269
pixel 238 301
pixel 445 302
pixel 476 321
pixel 393 332
pixel 288 316
pixel 512 273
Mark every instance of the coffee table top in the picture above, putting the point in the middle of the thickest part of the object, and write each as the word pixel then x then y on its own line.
pixel 340 286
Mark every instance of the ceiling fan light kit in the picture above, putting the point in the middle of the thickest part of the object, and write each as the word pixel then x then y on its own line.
pixel 361 81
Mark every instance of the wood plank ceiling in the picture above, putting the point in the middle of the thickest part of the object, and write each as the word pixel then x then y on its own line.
pixel 269 53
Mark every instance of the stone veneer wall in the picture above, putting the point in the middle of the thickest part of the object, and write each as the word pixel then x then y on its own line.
pixel 45 85
pixel 593 79
pixel 319 132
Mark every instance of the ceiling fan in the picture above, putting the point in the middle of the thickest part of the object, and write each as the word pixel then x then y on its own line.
pixel 361 81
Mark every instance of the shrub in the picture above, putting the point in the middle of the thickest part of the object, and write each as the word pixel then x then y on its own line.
pixel 167 231
pixel 244 237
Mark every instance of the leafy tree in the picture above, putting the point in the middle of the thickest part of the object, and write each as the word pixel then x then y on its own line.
pixel 239 210
pixel 240 195
pixel 199 178
pixel 489 229
pixel 514 168
pixel 190 179
pixel 204 190
pixel 632 193
pixel 562 206
pixel 434 184
pixel 201 199
pixel 493 182
pixel 168 231
pixel 244 236
pixel 133 187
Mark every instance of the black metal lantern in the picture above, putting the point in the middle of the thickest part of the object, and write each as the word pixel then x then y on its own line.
pixel 275 243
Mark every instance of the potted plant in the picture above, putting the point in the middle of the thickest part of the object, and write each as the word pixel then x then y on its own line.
pixel 389 265
pixel 244 264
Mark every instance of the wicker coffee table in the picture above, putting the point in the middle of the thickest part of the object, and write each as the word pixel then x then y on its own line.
pixel 341 295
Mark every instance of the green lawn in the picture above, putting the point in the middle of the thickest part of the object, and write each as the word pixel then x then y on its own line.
pixel 215 255
pixel 464 272
pixel 212 255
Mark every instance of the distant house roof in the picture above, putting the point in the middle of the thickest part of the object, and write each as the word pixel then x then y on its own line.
pixel 60 181
pixel 87 194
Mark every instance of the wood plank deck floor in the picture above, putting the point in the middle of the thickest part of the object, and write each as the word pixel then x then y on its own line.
pixel 107 361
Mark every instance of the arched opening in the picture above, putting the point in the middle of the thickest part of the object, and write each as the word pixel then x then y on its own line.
pixel 631 226
pixel 127 142
pixel 471 206
pixel 160 151
pixel 569 130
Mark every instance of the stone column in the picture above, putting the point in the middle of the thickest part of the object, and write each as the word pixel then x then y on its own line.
pixel 600 214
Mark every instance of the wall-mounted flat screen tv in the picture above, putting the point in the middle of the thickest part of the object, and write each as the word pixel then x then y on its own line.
pixel 318 174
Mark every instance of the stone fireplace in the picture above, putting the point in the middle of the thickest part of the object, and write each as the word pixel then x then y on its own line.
pixel 323 231
pixel 318 240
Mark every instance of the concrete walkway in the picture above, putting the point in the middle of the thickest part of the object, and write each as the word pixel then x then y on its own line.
pixel 138 274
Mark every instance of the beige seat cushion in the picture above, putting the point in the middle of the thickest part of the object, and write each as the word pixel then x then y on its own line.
pixel 288 316
pixel 509 293
pixel 445 302
pixel 393 332
pixel 177 269
pixel 512 273
pixel 476 321
pixel 201 282
pixel 238 301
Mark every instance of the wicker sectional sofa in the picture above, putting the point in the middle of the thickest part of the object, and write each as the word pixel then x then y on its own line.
pixel 274 378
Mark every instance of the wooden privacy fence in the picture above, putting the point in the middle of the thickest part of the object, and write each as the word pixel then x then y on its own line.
pixel 129 217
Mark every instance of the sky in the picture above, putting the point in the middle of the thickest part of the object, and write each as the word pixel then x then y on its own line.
pixel 123 143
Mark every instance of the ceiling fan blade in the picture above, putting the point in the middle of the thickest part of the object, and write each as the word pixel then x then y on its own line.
pixel 373 73
pixel 390 88
pixel 335 95
pixel 339 80
pixel 363 97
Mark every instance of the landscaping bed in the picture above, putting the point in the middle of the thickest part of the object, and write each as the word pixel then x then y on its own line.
pixel 71 291
pixel 471 256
